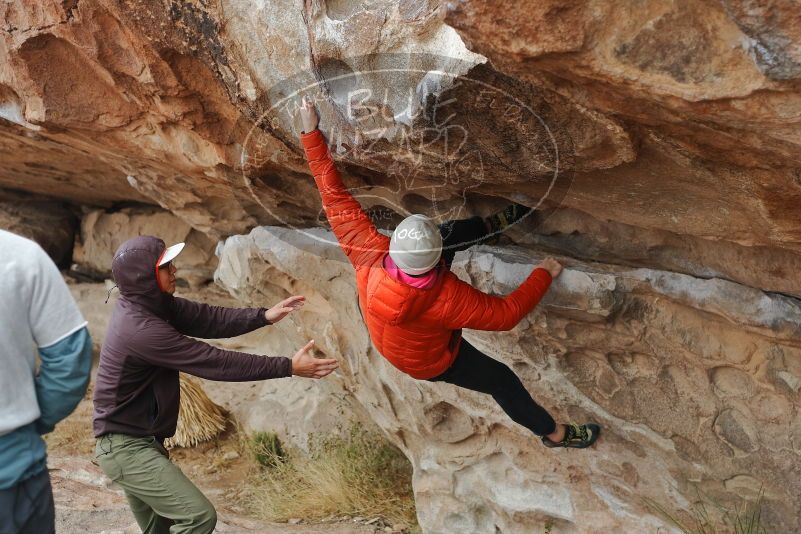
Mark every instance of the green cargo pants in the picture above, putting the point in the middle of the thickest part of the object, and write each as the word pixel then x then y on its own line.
pixel 162 499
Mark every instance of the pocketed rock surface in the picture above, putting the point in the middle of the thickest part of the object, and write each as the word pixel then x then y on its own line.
pixel 695 383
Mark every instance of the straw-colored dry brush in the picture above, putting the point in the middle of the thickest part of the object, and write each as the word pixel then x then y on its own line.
pixel 355 473
pixel 199 418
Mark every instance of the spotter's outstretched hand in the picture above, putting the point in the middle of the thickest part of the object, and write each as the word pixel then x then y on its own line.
pixel 306 365
pixel 286 306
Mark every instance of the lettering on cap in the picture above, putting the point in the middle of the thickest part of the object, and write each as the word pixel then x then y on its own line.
pixel 413 233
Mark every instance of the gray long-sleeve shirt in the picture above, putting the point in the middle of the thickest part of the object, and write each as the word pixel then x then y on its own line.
pixel 147 344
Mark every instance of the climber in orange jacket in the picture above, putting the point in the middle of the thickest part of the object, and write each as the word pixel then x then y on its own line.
pixel 415 307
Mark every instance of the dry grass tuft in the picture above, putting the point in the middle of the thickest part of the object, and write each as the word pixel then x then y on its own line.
pixel 360 474
pixel 199 418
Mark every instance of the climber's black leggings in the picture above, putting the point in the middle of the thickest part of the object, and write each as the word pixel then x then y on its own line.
pixel 476 371
pixel 473 369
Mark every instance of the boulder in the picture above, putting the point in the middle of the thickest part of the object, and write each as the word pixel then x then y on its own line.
pixel 670 365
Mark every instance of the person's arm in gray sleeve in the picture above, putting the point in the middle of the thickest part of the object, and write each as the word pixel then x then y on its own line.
pixel 164 346
pixel 63 378
pixel 211 322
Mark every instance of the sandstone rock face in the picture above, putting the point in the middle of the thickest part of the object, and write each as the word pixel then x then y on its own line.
pixel 693 381
pixel 680 118
pixel 657 140
pixel 689 84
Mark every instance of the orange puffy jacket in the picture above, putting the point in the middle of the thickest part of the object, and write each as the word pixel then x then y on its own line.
pixel 417 330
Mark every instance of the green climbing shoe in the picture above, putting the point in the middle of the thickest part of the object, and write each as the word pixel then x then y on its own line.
pixel 576 436
pixel 500 221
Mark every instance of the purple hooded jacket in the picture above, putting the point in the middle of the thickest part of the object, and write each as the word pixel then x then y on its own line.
pixel 137 389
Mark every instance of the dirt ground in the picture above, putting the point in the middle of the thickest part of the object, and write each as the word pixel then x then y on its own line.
pixel 88 503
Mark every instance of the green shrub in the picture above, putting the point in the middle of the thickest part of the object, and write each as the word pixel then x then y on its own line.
pixel 267 449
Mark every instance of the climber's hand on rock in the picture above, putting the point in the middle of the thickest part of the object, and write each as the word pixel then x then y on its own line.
pixel 286 306
pixel 308 115
pixel 551 265
pixel 306 365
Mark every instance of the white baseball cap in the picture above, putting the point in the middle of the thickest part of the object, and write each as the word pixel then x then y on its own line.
pixel 170 253
pixel 416 245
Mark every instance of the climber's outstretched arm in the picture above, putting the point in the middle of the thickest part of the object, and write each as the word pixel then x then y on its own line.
pixel 357 234
pixel 471 308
